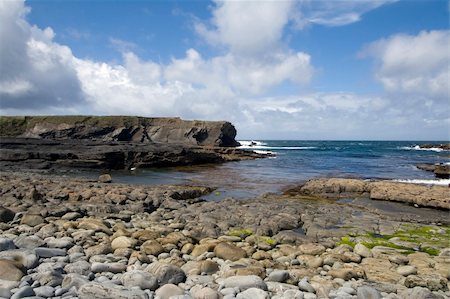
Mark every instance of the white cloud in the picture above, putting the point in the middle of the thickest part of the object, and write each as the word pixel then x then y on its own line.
pixel 34 71
pixel 413 64
pixel 334 13
pixel 247 27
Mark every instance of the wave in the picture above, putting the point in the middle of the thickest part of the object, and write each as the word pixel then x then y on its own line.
pixel 264 152
pixel 418 148
pixel 251 143
pixel 441 182
pixel 258 145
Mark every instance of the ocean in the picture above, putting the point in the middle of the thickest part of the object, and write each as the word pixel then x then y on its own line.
pixel 294 162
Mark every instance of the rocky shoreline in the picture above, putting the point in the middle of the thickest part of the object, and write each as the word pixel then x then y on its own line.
pixel 74 238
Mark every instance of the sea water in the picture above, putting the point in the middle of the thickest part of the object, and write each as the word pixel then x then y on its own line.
pixel 293 162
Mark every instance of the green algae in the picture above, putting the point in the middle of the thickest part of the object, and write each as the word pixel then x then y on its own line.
pixel 240 232
pixel 429 239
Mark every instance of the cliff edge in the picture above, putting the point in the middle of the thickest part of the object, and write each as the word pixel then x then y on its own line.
pixel 120 128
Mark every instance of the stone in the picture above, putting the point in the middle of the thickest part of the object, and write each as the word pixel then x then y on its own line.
pixel 79 267
pixel 202 248
pixel 362 250
pixel 366 292
pixel 169 290
pixel 141 279
pixel 304 285
pixel 204 293
pixel 244 282
pixel 123 242
pixel 406 270
pixel 6 244
pixel 74 280
pixel 99 249
pixel 49 252
pixel 6 215
pixel 94 290
pixel 418 293
pixel 105 178
pixel 9 270
pixel 32 219
pixel 253 293
pixel 152 247
pixel 108 267
pixel 23 257
pixel 278 276
pixel 95 225
pixel 28 242
pixel 5 293
pixel 166 273
pixel 52 278
pixel 44 291
pixel 380 270
pixel 64 242
pixel 228 251
pixel 312 249
pixel 25 291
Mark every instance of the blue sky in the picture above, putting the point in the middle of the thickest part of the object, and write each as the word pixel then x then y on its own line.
pixel 277 69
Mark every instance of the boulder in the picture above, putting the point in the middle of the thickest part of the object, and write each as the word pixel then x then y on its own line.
pixel 228 251
pixel 10 270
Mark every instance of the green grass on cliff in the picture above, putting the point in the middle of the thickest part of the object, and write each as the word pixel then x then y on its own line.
pixel 431 239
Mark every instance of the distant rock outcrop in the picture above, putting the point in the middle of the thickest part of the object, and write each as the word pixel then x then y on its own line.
pixel 121 128
pixel 421 195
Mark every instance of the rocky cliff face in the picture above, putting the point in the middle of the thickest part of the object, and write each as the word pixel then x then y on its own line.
pixel 121 128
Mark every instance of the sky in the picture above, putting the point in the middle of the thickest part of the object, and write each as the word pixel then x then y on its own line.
pixel 287 69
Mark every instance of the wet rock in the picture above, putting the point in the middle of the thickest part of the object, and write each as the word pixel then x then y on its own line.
pixel 25 291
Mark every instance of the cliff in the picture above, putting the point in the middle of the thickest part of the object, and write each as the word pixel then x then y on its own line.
pixel 120 128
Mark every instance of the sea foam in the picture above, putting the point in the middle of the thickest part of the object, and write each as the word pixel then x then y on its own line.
pixel 418 148
pixel 442 182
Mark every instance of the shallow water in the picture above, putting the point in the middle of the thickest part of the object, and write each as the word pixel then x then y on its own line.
pixel 297 161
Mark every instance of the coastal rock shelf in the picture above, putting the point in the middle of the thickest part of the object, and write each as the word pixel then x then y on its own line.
pixel 120 128
pixel 20 153
pixel 421 195
pixel 74 238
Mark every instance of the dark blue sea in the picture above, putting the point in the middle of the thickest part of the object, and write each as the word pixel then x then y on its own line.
pixel 297 161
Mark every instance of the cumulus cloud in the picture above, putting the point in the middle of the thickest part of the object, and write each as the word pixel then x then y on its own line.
pixel 413 64
pixel 35 71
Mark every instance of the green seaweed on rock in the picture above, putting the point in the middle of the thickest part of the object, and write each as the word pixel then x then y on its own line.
pixel 240 232
pixel 428 239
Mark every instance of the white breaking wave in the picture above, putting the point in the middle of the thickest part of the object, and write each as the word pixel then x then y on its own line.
pixel 250 143
pixel 258 145
pixel 442 182
pixel 264 152
pixel 418 148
